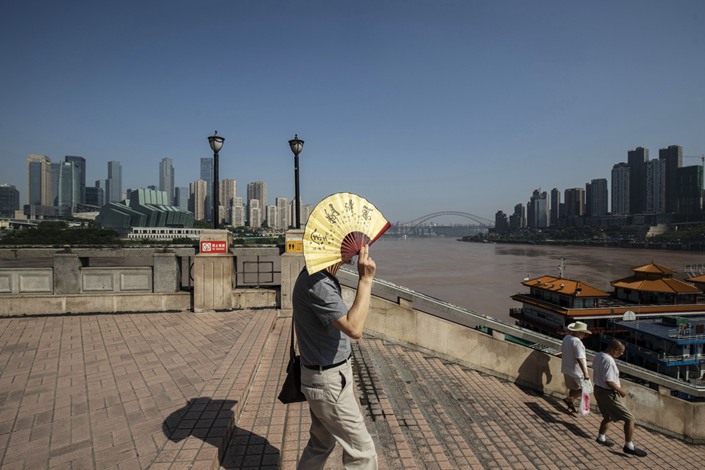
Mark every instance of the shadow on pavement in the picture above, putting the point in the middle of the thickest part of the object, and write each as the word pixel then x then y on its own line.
pixel 549 416
pixel 210 421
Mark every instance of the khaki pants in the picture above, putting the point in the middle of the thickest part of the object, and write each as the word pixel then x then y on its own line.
pixel 335 417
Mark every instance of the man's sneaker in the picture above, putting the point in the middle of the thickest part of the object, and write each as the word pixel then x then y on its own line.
pixel 606 442
pixel 634 451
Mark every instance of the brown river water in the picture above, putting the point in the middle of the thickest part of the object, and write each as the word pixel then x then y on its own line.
pixel 482 276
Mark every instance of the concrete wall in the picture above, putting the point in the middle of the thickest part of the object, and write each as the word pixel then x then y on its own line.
pixel 399 321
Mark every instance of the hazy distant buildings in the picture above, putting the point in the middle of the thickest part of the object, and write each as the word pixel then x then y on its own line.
pixel 574 202
pixel 596 198
pixel 672 156
pixel 166 178
pixel 80 162
pixel 227 192
pixel 113 185
pixel 283 212
pixel 66 187
pixel 198 193
pixel 537 210
pixel 655 186
pixel 9 200
pixel 690 189
pixel 237 212
pixel 555 206
pixel 207 176
pixel 181 196
pixel 501 222
pixel 95 197
pixel 517 220
pixel 254 214
pixel 636 159
pixel 620 189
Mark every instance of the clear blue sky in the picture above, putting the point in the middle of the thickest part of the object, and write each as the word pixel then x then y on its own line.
pixel 419 106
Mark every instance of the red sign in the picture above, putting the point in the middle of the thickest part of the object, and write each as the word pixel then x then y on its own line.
pixel 213 246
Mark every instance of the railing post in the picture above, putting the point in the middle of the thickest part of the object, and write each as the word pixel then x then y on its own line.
pixel 165 273
pixel 67 273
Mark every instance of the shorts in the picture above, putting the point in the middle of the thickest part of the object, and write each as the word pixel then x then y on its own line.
pixel 612 405
pixel 573 383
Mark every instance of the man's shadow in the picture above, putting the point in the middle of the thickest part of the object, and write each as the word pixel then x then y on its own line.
pixel 532 371
pixel 212 422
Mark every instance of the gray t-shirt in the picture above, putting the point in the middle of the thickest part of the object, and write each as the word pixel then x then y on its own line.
pixel 318 303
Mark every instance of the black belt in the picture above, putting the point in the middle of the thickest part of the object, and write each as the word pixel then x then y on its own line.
pixel 330 366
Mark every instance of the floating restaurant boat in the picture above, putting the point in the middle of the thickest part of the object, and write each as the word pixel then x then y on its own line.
pixel 660 319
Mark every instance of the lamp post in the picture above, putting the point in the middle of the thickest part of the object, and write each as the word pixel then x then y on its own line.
pixel 297 145
pixel 216 143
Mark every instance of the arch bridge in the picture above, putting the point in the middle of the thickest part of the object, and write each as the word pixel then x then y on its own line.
pixel 407 227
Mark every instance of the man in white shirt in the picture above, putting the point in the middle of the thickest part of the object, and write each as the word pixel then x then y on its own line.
pixel 574 362
pixel 609 395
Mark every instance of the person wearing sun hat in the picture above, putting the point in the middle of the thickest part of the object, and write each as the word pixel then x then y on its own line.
pixel 574 362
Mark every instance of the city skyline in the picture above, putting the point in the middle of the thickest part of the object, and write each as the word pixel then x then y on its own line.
pixel 418 107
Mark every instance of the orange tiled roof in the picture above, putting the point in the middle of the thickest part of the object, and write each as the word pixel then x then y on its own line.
pixel 565 286
pixel 668 285
pixel 653 268
pixel 700 278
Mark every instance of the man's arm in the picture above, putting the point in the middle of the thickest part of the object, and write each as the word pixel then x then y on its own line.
pixel 616 388
pixel 353 323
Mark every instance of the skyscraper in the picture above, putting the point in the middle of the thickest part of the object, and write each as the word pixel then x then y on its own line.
pixel 596 201
pixel 673 156
pixel 284 212
pixel 238 213
pixel 9 200
pixel 166 178
pixel 537 210
pixel 555 205
pixel 181 196
pixel 257 190
pixel 197 200
pixel 574 202
pixel 207 176
pixel 690 189
pixel 636 159
pixel 656 186
pixel 81 163
pixel 39 180
pixel 66 186
pixel 113 185
pixel 620 189
pixel 254 214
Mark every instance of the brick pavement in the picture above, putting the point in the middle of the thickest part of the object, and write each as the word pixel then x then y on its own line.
pixel 186 390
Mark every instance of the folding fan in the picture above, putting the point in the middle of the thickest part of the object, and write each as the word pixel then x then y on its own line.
pixel 338 227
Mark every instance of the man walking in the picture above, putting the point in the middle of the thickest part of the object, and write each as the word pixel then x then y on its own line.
pixel 324 327
pixel 574 362
pixel 609 395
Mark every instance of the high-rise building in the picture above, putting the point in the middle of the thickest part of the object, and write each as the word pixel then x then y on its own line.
pixel 39 180
pixel 81 163
pixel 555 206
pixel 636 159
pixel 9 200
pixel 254 213
pixel 95 197
pixel 574 202
pixel 66 186
pixel 284 211
pixel 596 198
pixel 690 189
pixel 537 210
pixel 181 196
pixel 227 190
pixel 238 212
pixel 501 222
pixel 517 220
pixel 673 156
pixel 166 178
pixel 620 189
pixel 198 191
pixel 257 190
pixel 273 217
pixel 113 185
pixel 656 186
pixel 207 176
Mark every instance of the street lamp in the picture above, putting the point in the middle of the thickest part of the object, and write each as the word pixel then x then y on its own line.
pixel 216 143
pixel 297 145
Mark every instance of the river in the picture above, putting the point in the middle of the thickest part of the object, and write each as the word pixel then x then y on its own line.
pixel 483 276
